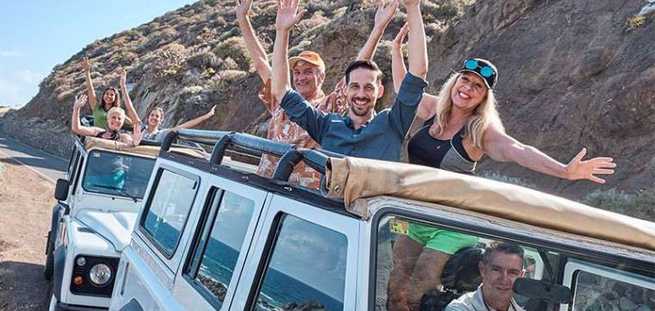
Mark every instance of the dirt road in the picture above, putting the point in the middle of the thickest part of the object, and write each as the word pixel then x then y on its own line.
pixel 25 206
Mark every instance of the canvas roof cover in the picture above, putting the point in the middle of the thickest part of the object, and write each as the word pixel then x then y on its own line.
pixel 150 151
pixel 355 178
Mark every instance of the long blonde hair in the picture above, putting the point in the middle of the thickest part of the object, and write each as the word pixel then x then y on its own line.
pixel 484 115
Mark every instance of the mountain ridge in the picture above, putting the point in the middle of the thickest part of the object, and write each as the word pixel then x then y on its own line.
pixel 577 70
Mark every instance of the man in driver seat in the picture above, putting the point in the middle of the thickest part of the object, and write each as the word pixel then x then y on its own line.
pixel 501 265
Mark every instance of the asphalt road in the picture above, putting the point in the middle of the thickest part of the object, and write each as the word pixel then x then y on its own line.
pixel 48 166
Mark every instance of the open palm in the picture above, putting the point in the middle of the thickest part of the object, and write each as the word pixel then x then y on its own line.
pixel 587 169
pixel 287 14
pixel 385 12
pixel 80 101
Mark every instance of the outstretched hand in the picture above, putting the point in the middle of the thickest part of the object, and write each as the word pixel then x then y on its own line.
pixel 385 12
pixel 123 75
pixel 400 37
pixel 136 135
pixel 243 8
pixel 211 112
pixel 80 101
pixel 86 64
pixel 587 169
pixel 287 14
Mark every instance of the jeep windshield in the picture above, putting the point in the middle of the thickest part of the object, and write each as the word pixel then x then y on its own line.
pixel 117 174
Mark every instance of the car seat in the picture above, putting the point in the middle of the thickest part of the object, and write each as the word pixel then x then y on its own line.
pixel 460 275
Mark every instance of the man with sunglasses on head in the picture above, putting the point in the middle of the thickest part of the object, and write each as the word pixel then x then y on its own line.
pixel 362 132
pixel 308 72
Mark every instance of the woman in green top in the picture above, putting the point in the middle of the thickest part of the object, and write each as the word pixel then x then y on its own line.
pixel 110 98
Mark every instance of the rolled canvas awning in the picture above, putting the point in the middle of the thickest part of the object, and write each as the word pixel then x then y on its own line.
pixel 355 178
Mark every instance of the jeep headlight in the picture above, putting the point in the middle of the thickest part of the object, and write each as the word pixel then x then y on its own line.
pixel 100 274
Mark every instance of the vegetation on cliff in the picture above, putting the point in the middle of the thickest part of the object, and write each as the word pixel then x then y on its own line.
pixel 573 73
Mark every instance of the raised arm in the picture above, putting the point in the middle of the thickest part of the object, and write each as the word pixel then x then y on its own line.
pixel 417 49
pixel 253 45
pixel 383 16
pixel 131 112
pixel 196 121
pixel 287 17
pixel 428 105
pixel 398 69
pixel 502 147
pixel 76 127
pixel 90 91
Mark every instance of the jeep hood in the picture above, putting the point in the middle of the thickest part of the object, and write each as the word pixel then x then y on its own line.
pixel 115 227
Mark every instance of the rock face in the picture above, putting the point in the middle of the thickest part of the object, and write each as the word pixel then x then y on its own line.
pixel 573 73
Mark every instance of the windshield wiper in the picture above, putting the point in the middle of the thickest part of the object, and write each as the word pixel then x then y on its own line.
pixel 120 191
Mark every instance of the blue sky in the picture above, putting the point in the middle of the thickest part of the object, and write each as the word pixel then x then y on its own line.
pixel 36 35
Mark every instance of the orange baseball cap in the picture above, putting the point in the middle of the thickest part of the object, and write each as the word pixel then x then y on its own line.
pixel 308 56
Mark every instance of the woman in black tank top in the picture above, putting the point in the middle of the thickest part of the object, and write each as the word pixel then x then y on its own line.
pixel 465 105
pixel 115 119
pixel 426 150
pixel 467 101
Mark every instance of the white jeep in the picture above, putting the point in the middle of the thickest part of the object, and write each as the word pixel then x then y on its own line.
pixel 215 236
pixel 98 202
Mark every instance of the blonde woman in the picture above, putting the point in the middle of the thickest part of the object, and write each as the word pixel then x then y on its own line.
pixel 463 120
pixel 115 120
pixel 453 131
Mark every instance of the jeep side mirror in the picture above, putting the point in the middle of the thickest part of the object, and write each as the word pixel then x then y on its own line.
pixel 61 190
pixel 542 290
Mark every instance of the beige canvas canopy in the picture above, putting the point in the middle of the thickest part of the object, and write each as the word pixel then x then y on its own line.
pixel 355 178
pixel 150 151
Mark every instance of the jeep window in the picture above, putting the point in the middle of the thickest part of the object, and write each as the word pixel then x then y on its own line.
pixel 117 174
pixel 306 268
pixel 216 256
pixel 410 250
pixel 601 291
pixel 168 210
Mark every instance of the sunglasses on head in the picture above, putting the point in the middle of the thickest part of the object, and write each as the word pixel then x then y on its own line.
pixel 479 67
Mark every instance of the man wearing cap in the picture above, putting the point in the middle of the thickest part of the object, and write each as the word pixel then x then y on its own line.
pixel 362 132
pixel 308 71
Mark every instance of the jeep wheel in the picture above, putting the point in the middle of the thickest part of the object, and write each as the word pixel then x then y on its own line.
pixel 50 258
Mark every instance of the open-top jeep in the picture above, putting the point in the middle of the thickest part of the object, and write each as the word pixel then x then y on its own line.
pixel 92 222
pixel 214 236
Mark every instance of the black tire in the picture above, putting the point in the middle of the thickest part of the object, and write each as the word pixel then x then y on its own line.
pixel 49 266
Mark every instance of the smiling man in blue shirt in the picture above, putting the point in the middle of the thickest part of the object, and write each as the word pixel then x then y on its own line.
pixel 362 133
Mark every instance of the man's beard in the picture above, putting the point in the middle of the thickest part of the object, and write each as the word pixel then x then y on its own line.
pixel 360 113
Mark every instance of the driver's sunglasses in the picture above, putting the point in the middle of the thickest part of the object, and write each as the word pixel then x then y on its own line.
pixel 479 67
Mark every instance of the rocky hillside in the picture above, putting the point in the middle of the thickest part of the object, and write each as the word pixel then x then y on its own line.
pixel 573 73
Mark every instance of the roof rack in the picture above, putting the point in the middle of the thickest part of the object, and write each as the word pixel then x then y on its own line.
pixel 240 144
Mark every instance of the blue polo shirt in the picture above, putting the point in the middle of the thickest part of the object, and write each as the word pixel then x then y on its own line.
pixel 381 138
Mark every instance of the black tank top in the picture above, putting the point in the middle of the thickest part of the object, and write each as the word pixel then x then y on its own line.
pixel 426 150
pixel 114 135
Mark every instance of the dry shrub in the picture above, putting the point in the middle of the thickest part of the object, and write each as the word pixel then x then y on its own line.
pixel 202 60
pixel 159 38
pixel 635 22
pixel 168 60
pixel 65 95
pixel 234 48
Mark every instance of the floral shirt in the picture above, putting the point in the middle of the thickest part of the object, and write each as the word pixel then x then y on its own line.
pixel 282 129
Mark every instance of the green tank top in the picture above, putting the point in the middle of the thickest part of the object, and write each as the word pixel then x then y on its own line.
pixel 99 117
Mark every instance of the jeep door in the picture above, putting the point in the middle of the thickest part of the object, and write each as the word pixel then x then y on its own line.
pixel 303 257
pixel 188 250
pixel 222 241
